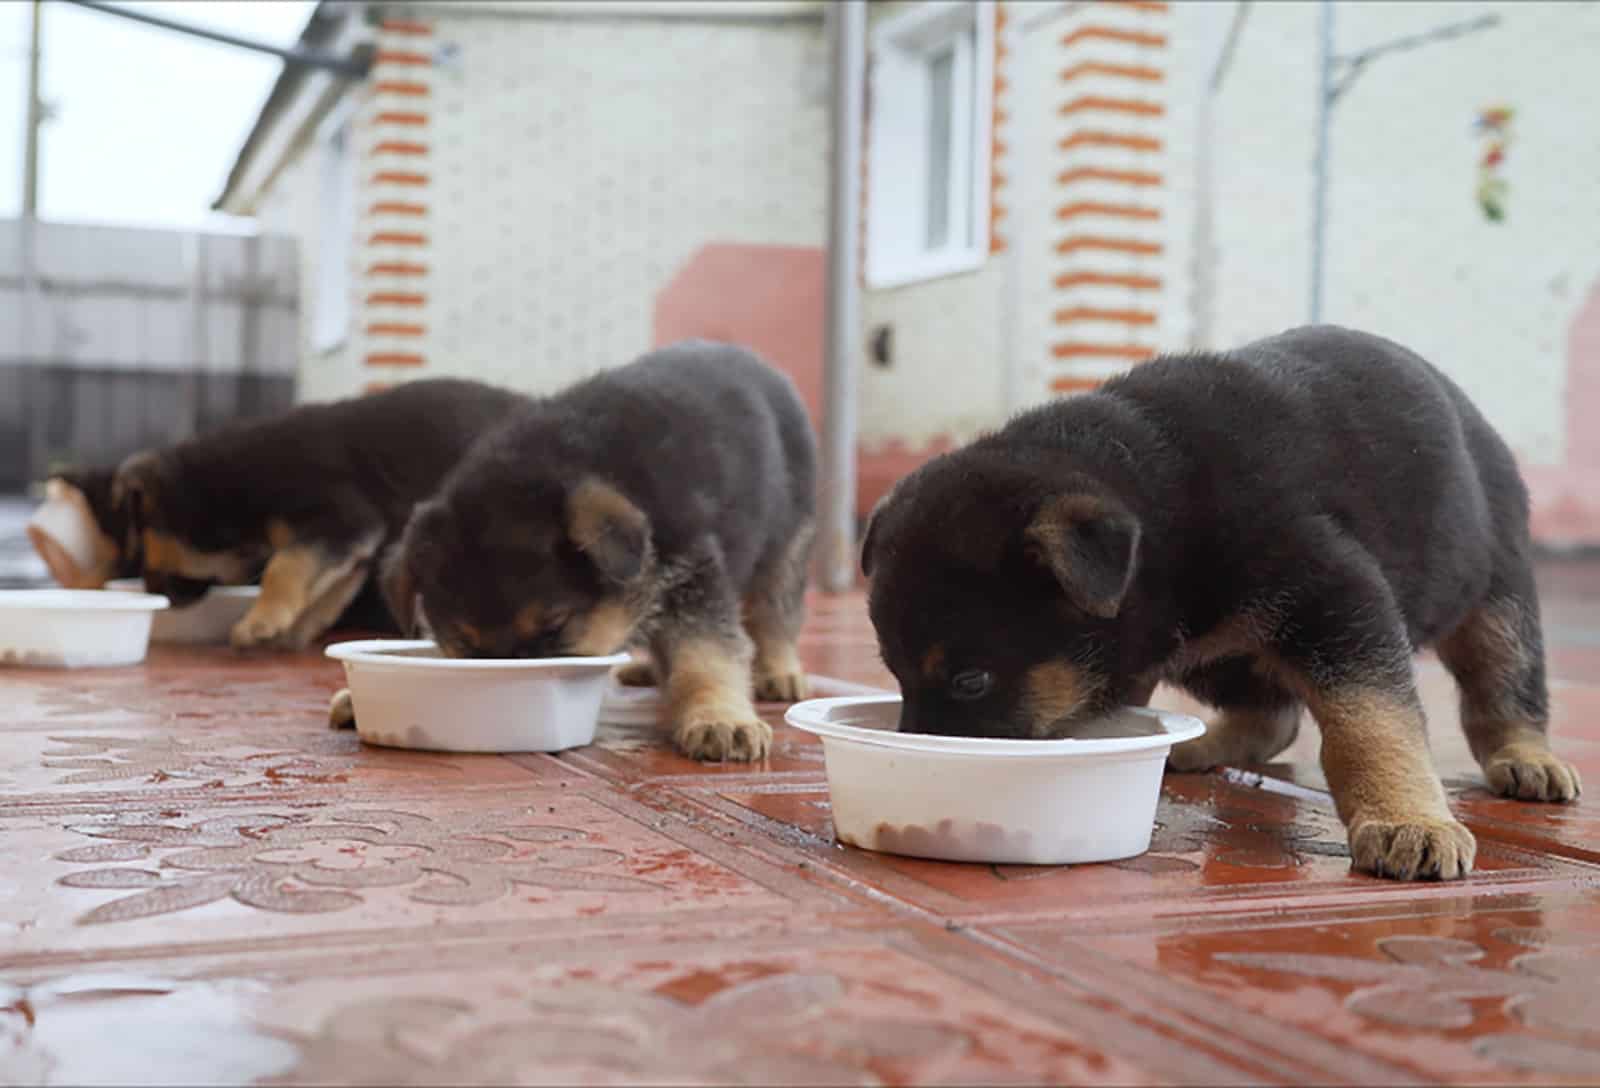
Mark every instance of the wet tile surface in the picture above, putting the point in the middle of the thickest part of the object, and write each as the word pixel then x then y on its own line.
pixel 204 884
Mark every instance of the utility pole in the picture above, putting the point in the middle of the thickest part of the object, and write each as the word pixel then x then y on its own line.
pixel 847 25
pixel 29 353
pixel 1336 75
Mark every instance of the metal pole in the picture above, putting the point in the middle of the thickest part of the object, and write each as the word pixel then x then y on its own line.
pixel 847 23
pixel 1319 198
pixel 30 360
pixel 35 118
pixel 343 66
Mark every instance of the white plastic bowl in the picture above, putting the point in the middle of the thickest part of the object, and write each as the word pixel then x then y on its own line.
pixel 1026 802
pixel 406 695
pixel 75 628
pixel 206 621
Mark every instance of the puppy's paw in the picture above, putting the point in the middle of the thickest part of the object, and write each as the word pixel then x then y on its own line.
pixel 637 674
pixel 781 686
pixel 1423 848
pixel 341 710
pixel 1531 772
pixel 716 738
pixel 1194 756
pixel 262 630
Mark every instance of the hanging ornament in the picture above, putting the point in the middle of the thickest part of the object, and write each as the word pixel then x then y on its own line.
pixel 1494 127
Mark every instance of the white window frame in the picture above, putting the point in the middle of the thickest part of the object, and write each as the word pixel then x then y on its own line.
pixel 336 228
pixel 898 146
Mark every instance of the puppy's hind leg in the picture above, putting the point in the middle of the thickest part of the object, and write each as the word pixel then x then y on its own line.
pixel 774 610
pixel 1497 658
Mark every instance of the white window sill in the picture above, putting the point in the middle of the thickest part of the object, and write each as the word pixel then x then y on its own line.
pixel 934 268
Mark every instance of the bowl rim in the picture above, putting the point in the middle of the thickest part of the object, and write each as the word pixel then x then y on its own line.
pixel 382 651
pixel 128 585
pixel 62 599
pixel 811 717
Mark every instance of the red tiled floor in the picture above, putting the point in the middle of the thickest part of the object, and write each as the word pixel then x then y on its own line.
pixel 203 883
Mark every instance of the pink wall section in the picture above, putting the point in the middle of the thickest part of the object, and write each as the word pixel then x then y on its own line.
pixel 1566 497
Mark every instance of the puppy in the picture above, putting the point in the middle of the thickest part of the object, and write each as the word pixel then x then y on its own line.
pixel 306 499
pixel 668 503
pixel 1273 528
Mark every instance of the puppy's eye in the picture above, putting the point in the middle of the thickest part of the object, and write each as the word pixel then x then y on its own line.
pixel 971 684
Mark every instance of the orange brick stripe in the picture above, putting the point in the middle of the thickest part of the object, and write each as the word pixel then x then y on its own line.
pixel 1069 315
pixel 1075 385
pixel 397 238
pixel 399 147
pixel 1108 279
pixel 1080 242
pixel 1095 207
pixel 1137 106
pixel 1100 173
pixel 1158 6
pixel 1098 138
pixel 1143 73
pixel 397 268
pixel 408 27
pixel 1076 349
pixel 400 56
pixel 401 95
pixel 397 207
pixel 1114 34
pixel 997 180
pixel 403 87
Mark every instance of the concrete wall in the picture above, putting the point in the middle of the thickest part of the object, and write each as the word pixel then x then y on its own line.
pixel 137 337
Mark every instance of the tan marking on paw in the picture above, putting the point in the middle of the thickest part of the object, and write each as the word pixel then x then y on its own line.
pixel 708 699
pixel 1238 736
pixel 778 675
pixel 1375 754
pixel 637 674
pixel 1529 771
pixel 341 710
pixel 1415 849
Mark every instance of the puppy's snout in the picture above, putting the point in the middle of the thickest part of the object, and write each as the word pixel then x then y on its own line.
pixel 179 590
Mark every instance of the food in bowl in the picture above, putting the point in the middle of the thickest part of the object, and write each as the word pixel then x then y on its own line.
pixel 75 628
pixel 406 694
pixel 1088 798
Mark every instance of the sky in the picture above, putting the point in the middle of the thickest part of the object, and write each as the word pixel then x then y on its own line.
pixel 146 121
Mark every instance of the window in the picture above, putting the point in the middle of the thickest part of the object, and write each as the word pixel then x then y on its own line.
pixel 928 150
pixel 335 217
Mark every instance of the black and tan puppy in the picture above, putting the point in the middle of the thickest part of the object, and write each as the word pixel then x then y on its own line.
pixel 667 503
pixel 1273 528
pixel 306 499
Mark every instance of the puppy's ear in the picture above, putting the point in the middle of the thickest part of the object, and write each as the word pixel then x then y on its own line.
pixel 398 578
pixel 610 530
pixel 1090 543
pixel 869 534
pixel 138 484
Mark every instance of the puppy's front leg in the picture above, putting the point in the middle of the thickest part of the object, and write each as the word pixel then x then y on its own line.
pixel 1347 655
pixel 303 589
pixel 708 695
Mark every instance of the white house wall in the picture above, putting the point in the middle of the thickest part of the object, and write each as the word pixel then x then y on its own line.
pixel 570 166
